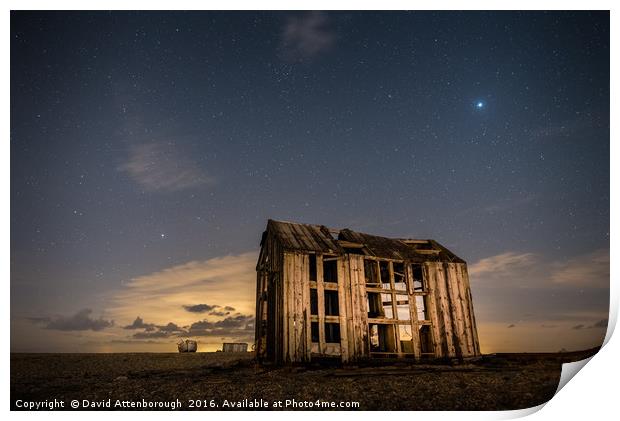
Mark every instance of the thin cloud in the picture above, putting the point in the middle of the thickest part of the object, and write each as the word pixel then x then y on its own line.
pixel 160 166
pixel 219 313
pixel 200 308
pixel 590 270
pixel 505 262
pixel 170 328
pixel 305 37
pixel 139 324
pixel 151 335
pixel 234 326
pixel 78 322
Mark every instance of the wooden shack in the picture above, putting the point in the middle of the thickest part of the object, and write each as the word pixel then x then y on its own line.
pixel 326 293
pixel 234 347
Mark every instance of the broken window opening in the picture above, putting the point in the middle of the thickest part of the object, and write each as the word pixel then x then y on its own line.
pixel 314 302
pixel 331 303
pixel 312 268
pixel 314 331
pixel 332 332
pixel 426 340
pixel 402 307
pixel 388 310
pixel 384 271
pixel 330 270
pixel 375 309
pixel 418 277
pixel 406 339
pixel 420 302
pixel 382 338
pixel 370 272
pixel 400 282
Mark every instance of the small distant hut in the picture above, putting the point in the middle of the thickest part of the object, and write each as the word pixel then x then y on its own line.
pixel 235 347
pixel 348 295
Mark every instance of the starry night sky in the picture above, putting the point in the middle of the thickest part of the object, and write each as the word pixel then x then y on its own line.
pixel 148 150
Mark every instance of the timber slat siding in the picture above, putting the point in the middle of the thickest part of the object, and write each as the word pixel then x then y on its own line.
pixel 472 315
pixel 437 329
pixel 443 307
pixel 306 306
pixel 455 309
pixel 348 311
pixel 283 295
pixel 468 333
pixel 320 290
pixel 413 314
pixel 342 311
pixel 299 320
pixel 358 304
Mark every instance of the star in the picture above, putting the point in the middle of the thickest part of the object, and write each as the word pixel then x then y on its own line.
pixel 479 105
pixel 162 235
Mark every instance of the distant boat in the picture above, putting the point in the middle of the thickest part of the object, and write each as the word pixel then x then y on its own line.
pixel 187 345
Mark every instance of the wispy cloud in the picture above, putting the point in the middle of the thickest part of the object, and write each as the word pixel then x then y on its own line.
pixel 139 324
pixel 590 270
pixel 200 308
pixel 501 263
pixel 76 322
pixel 161 166
pixel 305 37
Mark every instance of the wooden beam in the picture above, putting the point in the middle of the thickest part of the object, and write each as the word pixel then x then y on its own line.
pixel 320 292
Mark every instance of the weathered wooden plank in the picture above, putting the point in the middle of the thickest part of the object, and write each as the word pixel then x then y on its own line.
pixel 467 329
pixel 287 234
pixel 303 236
pixel 456 312
pixel 412 312
pixel 444 309
pixel 436 317
pixel 290 269
pixel 342 310
pixel 298 319
pixel 321 302
pixel 359 305
pixel 286 305
pixel 348 308
pixel 474 328
pixel 353 316
pixel 306 306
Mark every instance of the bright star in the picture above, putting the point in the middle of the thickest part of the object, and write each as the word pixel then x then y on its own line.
pixel 163 235
pixel 479 105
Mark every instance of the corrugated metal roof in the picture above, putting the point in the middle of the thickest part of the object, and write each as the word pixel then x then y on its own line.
pixel 320 239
